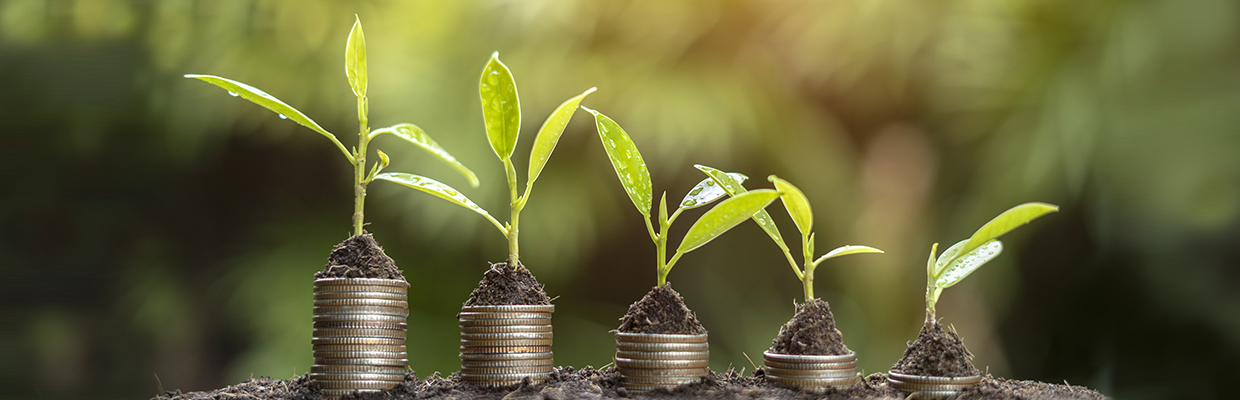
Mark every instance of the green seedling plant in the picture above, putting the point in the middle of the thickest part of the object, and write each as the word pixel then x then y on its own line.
pixel 635 178
pixel 501 112
pixel 966 256
pixel 355 71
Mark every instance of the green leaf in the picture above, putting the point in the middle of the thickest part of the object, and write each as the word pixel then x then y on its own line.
pixel 1006 222
pixel 845 250
pixel 707 191
pixel 355 58
pixel 796 203
pixel 626 160
pixel 549 135
pixel 733 187
pixel 947 257
pixel 384 160
pixel 930 268
pixel 501 107
pixel 413 134
pixel 663 211
pixel 437 189
pixel 269 102
pixel 964 265
pixel 724 216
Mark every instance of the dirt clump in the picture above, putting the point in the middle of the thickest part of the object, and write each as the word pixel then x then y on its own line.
pixel 810 332
pixel 502 285
pixel 662 310
pixel 936 352
pixel 992 388
pixel 359 257
pixel 299 388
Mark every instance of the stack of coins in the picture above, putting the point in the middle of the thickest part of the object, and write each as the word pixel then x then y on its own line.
pixel 502 345
pixel 931 387
pixel 359 334
pixel 649 361
pixel 810 372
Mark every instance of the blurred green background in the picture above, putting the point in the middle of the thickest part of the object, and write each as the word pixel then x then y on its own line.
pixel 158 233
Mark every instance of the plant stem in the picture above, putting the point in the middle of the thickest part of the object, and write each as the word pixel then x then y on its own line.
pixel 808 278
pixel 515 203
pixel 359 166
pixel 931 299
pixel 660 243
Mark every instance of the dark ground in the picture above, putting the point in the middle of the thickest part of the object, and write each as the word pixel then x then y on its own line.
pixel 662 310
pixel 937 352
pixel 810 332
pixel 502 285
pixel 589 383
pixel 359 257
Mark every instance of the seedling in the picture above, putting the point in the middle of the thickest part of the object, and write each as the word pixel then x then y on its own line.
pixel 501 111
pixel 355 71
pixel 635 178
pixel 968 255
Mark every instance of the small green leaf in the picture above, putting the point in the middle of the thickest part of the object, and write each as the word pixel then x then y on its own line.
pixel 964 265
pixel 355 58
pixel 707 191
pixel 1006 222
pixel 947 257
pixel 663 211
pixel 626 160
pixel 501 107
pixel 413 134
pixel 724 216
pixel 845 250
pixel 930 268
pixel 383 159
pixel 796 203
pixel 437 189
pixel 269 102
pixel 733 187
pixel 549 135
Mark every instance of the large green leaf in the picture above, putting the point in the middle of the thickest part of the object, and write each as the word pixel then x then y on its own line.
pixel 549 135
pixel 970 261
pixel 707 191
pixel 630 167
pixel 796 203
pixel 269 102
pixel 845 250
pixel 437 189
pixel 1006 222
pixel 733 187
pixel 724 216
pixel 355 59
pixel 501 107
pixel 946 258
pixel 413 134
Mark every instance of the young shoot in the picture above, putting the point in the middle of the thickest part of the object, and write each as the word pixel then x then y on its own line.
pixel 355 71
pixel 635 179
pixel 501 112
pixel 968 255
pixel 802 215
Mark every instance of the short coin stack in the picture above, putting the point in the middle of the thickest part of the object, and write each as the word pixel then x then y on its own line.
pixel 810 372
pixel 649 361
pixel 359 334
pixel 503 345
pixel 931 387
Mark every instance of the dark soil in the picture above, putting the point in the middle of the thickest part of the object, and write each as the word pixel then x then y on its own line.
pixel 502 285
pixel 810 332
pixel 936 352
pixel 359 257
pixel 589 383
pixel 661 311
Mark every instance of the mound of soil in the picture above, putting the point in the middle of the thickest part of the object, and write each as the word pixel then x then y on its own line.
pixel 299 388
pixel 661 311
pixel 502 286
pixel 993 388
pixel 936 352
pixel 810 332
pixel 359 257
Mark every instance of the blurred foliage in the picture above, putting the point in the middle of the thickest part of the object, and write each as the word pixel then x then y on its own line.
pixel 152 225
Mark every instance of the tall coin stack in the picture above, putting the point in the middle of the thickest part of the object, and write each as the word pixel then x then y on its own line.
pixel 811 372
pixel 649 361
pixel 502 345
pixel 359 334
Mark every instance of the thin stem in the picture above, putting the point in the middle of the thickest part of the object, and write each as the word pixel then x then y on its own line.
pixel 359 166
pixel 931 299
pixel 515 203
pixel 808 278
pixel 668 268
pixel 660 243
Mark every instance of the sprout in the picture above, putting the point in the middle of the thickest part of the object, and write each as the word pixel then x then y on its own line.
pixel 355 71
pixel 501 112
pixel 635 179
pixel 802 215
pixel 968 255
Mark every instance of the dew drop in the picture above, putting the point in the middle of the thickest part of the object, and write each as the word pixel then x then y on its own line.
pixel 710 183
pixel 282 116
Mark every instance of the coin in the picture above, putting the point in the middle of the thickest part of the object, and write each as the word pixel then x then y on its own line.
pixel 367 369
pixel 662 380
pixel 504 342
pixel 546 362
pixel 351 317
pixel 511 308
pixel 664 355
pixel 365 301
pixel 473 316
pixel 322 354
pixel 400 325
pixel 632 346
pixel 356 309
pixel 807 366
pixel 811 374
pixel 505 322
pixel 657 372
pixel 391 362
pixel 358 347
pixel 506 329
pixel 357 384
pixel 543 355
pixel 505 349
pixel 358 341
pixel 368 333
pixel 528 369
pixel 327 296
pixel 357 376
pixel 631 363
pixel 659 338
pixel 507 335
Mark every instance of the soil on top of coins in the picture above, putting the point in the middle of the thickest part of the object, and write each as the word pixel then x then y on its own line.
pixel 936 352
pixel 359 257
pixel 590 383
pixel 503 286
pixel 661 311
pixel 810 332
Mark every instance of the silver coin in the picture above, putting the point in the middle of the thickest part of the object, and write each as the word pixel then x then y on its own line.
pixel 809 359
pixel 511 308
pixel 347 309
pixel 358 347
pixel 627 346
pixel 659 338
pixel 356 376
pixel 812 374
pixel 922 379
pixel 475 316
pixel 333 394
pixel 364 282
pixel 359 333
pixel 664 355
pixel 400 325
pixel 533 369
pixel 390 362
pixel 547 362
pixel 808 383
pixel 364 301
pixel 631 363
pixel 366 369
pixel 505 342
pixel 506 329
pixel 505 349
pixel 505 322
pixel 662 380
pixel 321 354
pixel 810 367
pixel 351 317
pixel 507 336
pixel 363 341
pixel 331 296
pixel 543 355
pixel 357 384
pixel 663 372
